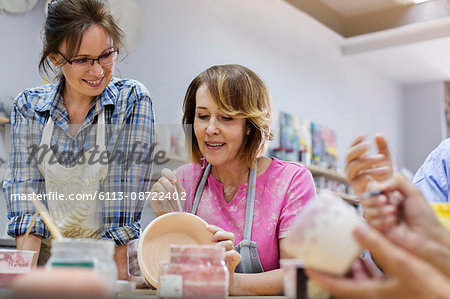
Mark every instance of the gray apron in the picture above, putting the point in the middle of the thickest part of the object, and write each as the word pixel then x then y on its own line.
pixel 250 262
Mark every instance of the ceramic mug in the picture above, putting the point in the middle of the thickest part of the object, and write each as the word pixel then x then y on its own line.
pixel 322 235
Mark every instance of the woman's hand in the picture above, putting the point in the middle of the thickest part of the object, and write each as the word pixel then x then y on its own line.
pixel 221 237
pixel 411 223
pixel 407 276
pixel 225 239
pixel 361 167
pixel 381 211
pixel 169 193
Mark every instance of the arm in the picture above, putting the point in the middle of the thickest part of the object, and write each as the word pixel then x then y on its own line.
pixel 121 259
pixel 266 283
pixel 23 174
pixel 361 167
pixel 32 243
pixel 129 178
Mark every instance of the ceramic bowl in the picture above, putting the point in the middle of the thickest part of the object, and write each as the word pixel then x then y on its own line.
pixel 177 228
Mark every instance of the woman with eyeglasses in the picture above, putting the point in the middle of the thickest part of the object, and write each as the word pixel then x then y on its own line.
pixel 75 144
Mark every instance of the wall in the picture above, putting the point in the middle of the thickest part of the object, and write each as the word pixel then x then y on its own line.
pixel 425 124
pixel 300 61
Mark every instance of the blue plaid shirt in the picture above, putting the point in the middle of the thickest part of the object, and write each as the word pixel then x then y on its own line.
pixel 129 123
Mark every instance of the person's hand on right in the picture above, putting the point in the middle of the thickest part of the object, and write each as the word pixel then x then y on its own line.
pixel 406 276
pixel 405 217
pixel 401 204
pixel 166 192
pixel 361 167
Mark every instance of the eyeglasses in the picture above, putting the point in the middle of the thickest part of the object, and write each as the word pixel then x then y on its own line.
pixel 106 59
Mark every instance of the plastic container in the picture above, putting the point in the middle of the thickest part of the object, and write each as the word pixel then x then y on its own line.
pixel 194 271
pixel 14 263
pixel 442 211
pixel 295 281
pixel 97 255
pixel 124 286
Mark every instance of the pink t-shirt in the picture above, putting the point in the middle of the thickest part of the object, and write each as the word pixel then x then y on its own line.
pixel 281 192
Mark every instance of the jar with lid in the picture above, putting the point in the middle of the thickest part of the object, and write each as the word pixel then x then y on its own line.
pixel 194 271
pixel 85 253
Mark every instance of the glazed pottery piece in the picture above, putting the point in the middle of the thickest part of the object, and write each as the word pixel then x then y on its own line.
pixel 322 236
pixel 177 228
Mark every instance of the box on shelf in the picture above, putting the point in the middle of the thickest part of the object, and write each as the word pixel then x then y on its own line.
pixel 307 142
pixel 295 139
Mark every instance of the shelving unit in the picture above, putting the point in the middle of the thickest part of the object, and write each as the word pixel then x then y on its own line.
pixel 351 199
pixel 317 171
pixel 328 173
pixel 176 161
pixel 4 120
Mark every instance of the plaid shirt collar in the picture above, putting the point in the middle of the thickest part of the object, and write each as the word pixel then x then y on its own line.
pixel 58 112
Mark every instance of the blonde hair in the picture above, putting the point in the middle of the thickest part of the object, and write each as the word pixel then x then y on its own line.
pixel 240 93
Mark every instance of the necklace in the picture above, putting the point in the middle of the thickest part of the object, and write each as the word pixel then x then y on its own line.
pixel 229 191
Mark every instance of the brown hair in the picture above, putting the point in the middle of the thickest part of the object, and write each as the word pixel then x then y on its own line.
pixel 67 20
pixel 240 93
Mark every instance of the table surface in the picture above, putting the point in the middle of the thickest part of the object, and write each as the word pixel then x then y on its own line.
pixel 146 294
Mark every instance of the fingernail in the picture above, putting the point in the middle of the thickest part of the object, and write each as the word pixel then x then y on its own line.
pixel 361 231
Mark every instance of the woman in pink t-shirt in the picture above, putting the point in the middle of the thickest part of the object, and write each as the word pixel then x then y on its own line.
pixel 230 111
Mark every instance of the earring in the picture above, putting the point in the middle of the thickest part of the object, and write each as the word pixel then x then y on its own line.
pixel 248 132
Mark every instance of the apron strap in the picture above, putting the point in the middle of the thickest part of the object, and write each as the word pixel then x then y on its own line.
pixel 47 132
pixel 250 205
pixel 100 140
pixel 250 199
pixel 250 262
